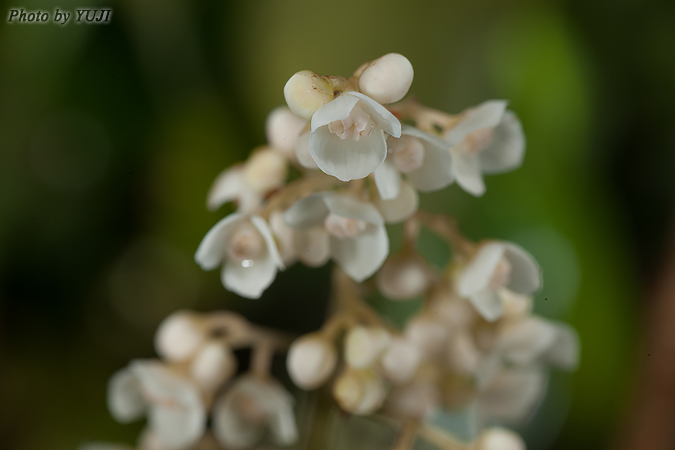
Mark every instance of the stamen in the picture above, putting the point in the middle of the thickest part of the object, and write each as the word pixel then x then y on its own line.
pixel 343 227
pixel 356 126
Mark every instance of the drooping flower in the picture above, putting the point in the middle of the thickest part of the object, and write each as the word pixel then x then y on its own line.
pixel 358 240
pixel 495 266
pixel 250 407
pixel 173 404
pixel 422 157
pixel 348 137
pixel 244 245
pixel 486 139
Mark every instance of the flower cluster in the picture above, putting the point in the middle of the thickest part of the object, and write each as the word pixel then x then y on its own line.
pixel 363 155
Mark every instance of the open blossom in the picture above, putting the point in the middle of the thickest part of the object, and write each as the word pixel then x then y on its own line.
pixel 348 138
pixel 486 139
pixel 495 266
pixel 250 407
pixel 244 245
pixel 173 404
pixel 358 240
pixel 422 157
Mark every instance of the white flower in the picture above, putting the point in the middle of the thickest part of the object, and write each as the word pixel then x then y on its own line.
pixel 387 79
pixel 180 336
pixel 498 265
pixel 358 240
pixel 249 407
pixel 424 159
pixel 498 439
pixel 311 360
pixel 246 248
pixel 283 128
pixel 359 392
pixel 248 183
pixel 401 207
pixel 486 139
pixel 174 406
pixel 512 395
pixel 348 137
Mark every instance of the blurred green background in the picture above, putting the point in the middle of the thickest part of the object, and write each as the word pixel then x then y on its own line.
pixel 111 135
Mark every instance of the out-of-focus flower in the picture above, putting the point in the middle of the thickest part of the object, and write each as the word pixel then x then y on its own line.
pixel 358 240
pixel 422 157
pixel 401 207
pixel 404 275
pixel 428 333
pixel 387 79
pixel 251 406
pixel 283 129
pixel 348 138
pixel 311 360
pixel 512 394
pixel 364 345
pixel 213 366
pixel 180 336
pixel 400 360
pixel 495 266
pixel 359 391
pixel 249 182
pixel 176 412
pixel 246 248
pixel 419 399
pixel 310 246
pixel 498 439
pixel 485 139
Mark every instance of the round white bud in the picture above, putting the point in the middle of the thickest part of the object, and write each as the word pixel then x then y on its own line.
pixel 359 392
pixel 363 345
pixel 213 366
pixel 305 92
pixel 282 128
pixel 265 170
pixel 498 439
pixel 400 360
pixel 311 361
pixel 403 276
pixel 387 79
pixel 180 336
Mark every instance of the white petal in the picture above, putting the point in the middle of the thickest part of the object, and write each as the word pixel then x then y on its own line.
pixel 312 246
pixel 308 212
pixel 177 413
pixel 467 172
pixel 363 255
pixel 477 274
pixel 436 170
pixel 488 304
pixel 282 129
pixel 388 180
pixel 525 272
pixel 230 430
pixel 211 250
pixel 347 159
pixel 338 109
pixel 263 227
pixel 400 208
pixel 302 152
pixel 284 236
pixel 507 149
pixel 125 400
pixel 251 281
pixel 379 114
pixel 226 187
pixel 343 206
pixel 513 395
pixel 523 342
pixel 564 353
pixel 486 115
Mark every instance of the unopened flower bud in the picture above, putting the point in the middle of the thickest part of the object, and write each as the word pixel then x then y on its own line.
pixel 180 336
pixel 282 129
pixel 305 92
pixel 400 360
pixel 359 392
pixel 429 335
pixel 403 276
pixel 213 366
pixel 265 170
pixel 498 439
pixel 311 360
pixel 363 345
pixel 387 79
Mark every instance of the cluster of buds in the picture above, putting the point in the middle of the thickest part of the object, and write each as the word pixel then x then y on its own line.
pixel 196 378
pixel 345 158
